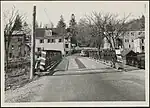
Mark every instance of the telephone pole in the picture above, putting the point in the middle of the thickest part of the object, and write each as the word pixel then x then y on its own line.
pixel 32 71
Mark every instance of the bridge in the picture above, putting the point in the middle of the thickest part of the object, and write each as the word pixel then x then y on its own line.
pixel 77 78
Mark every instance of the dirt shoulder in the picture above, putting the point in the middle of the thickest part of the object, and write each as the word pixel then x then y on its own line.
pixel 26 93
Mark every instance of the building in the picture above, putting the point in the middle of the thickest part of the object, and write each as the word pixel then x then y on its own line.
pixel 134 40
pixel 51 39
pixel 139 43
pixel 18 46
pixel 129 57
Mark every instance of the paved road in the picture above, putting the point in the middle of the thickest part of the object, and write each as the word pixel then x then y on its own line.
pixel 84 79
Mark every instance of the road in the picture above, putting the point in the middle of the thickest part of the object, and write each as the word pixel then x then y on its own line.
pixel 84 79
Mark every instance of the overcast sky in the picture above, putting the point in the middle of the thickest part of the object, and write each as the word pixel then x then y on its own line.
pixel 55 9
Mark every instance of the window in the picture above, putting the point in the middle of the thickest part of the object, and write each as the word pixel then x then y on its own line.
pixel 66 45
pixel 142 40
pixel 129 46
pixel 132 33
pixel 48 40
pixel 38 49
pixel 140 33
pixel 60 40
pixel 132 40
pixel 41 40
pixel 10 55
pixel 142 48
pixel 126 40
pixel 53 40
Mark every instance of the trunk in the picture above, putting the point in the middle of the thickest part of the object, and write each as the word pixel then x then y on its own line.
pixel 6 61
pixel 99 56
pixel 112 46
pixel 7 43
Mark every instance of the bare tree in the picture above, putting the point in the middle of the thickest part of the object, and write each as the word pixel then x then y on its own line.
pixel 107 26
pixel 12 22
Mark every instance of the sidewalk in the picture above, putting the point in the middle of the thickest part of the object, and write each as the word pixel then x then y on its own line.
pixel 126 67
pixel 63 65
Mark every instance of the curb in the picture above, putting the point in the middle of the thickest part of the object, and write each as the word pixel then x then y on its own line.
pixel 66 68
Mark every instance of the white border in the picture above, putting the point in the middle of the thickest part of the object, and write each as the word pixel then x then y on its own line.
pixel 89 104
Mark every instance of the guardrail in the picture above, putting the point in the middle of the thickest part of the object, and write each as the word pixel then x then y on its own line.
pixel 48 60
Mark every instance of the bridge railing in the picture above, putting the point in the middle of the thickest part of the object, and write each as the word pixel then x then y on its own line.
pixel 48 60
pixel 109 56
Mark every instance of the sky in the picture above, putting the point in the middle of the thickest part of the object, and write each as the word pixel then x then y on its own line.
pixel 53 9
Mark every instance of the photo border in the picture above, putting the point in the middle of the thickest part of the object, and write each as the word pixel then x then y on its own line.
pixel 81 104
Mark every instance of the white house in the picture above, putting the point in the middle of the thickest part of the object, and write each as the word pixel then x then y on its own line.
pixel 139 44
pixel 50 39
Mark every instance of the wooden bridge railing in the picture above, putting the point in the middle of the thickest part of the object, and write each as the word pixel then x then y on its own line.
pixel 48 59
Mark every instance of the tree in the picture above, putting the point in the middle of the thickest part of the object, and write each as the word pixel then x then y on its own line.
pixel 61 26
pixel 26 28
pixel 143 22
pixel 18 23
pixel 12 22
pixel 61 23
pixel 107 26
pixel 84 36
pixel 73 29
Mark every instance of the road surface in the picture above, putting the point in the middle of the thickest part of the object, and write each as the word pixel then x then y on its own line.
pixel 88 80
pixel 84 79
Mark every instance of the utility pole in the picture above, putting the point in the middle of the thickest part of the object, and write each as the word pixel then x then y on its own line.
pixel 33 45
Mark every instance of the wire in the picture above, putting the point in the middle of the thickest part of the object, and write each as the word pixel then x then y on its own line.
pixel 47 16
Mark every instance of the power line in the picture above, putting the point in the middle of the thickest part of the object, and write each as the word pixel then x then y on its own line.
pixel 47 16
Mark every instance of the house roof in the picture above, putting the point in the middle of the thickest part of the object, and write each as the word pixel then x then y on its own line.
pixel 126 51
pixel 57 32
pixel 40 32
